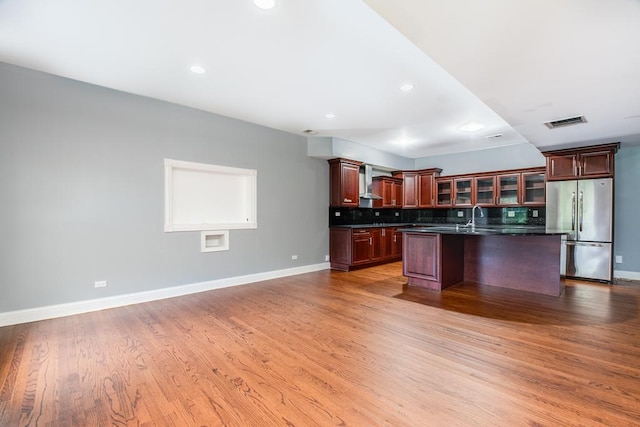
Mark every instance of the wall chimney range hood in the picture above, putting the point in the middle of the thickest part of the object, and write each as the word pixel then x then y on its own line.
pixel 367 198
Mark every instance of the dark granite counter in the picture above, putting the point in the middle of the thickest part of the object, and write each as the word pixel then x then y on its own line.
pixel 483 230
pixel 512 230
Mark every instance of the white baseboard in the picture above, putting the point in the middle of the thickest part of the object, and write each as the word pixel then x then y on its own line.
pixel 629 275
pixel 60 310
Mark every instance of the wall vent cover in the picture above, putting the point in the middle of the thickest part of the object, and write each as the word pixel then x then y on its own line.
pixel 570 121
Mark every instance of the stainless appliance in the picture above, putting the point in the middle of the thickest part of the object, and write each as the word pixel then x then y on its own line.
pixel 584 209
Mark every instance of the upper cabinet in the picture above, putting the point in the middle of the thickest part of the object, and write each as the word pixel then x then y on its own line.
pixel 418 187
pixel 344 177
pixel 577 163
pixel 516 187
pixel 444 192
pixel 390 189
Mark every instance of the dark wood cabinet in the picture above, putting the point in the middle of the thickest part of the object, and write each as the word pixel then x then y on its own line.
pixel 359 247
pixel 433 261
pixel 533 188
pixel 484 190
pixel 418 187
pixel 396 248
pixel 361 241
pixel 344 183
pixel 426 189
pixel 585 162
pixel 409 188
pixel 390 189
pixel 516 187
pixel 386 243
pixel 508 189
pixel 444 192
pixel 463 189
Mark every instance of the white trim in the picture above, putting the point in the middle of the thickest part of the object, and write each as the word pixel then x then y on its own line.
pixel 219 241
pixel 204 194
pixel 629 275
pixel 60 310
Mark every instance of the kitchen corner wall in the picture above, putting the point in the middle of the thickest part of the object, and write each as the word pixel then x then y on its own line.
pixel 82 187
pixel 627 211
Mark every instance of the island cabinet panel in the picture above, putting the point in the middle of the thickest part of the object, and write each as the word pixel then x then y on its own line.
pixel 586 162
pixel 344 183
pixel 527 263
pixel 433 261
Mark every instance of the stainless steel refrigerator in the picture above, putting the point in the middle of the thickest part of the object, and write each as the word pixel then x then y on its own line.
pixel 584 209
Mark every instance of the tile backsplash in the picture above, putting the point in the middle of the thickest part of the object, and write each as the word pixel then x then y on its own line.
pixel 491 216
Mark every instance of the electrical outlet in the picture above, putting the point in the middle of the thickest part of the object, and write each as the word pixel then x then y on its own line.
pixel 326 257
pixel 376 213
pixel 534 213
pixel 100 284
pixel 337 213
pixel 460 214
pixel 618 259
pixel 294 256
pixel 397 213
pixel 511 214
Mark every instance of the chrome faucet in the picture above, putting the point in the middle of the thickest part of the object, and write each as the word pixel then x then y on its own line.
pixel 472 222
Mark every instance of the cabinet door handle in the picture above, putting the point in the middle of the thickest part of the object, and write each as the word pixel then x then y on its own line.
pixel 394 239
pixel 383 232
pixel 347 200
pixel 370 242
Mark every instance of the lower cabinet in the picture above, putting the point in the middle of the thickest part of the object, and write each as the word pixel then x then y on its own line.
pixel 357 247
pixel 433 261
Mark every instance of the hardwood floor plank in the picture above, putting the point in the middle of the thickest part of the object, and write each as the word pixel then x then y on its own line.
pixel 333 348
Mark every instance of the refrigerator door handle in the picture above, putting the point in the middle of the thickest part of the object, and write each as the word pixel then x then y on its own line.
pixel 581 209
pixel 597 245
pixel 573 211
pixel 569 243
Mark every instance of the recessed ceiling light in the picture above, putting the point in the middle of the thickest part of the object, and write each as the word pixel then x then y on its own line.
pixel 406 87
pixel 330 116
pixel 265 4
pixel 197 69
pixel 471 127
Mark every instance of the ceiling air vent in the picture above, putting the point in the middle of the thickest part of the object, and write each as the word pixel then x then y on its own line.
pixel 310 132
pixel 565 122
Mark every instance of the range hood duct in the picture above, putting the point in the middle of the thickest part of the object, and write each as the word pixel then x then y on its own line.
pixel 367 198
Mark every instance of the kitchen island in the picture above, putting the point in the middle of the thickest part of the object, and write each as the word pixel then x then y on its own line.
pixel 522 258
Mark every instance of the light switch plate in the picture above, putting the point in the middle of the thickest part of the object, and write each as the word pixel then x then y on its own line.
pixel 337 213
pixel 534 213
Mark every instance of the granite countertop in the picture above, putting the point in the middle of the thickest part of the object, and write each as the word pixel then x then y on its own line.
pixel 487 230
pixel 481 229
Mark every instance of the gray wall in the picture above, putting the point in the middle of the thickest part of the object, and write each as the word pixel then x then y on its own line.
pixel 627 205
pixel 491 159
pixel 82 187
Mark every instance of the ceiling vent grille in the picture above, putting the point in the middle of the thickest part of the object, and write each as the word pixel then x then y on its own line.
pixel 565 122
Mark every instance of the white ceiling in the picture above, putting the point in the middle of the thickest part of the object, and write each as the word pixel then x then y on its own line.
pixel 510 65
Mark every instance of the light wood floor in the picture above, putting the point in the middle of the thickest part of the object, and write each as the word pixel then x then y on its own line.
pixel 333 348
